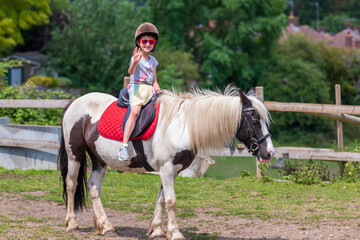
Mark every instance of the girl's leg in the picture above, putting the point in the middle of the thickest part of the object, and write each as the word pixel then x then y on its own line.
pixel 130 124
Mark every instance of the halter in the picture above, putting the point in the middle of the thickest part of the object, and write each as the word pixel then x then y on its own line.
pixel 254 143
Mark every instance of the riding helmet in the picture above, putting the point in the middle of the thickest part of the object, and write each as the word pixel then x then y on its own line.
pixel 146 28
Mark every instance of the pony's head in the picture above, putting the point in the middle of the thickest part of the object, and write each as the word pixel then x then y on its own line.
pixel 253 128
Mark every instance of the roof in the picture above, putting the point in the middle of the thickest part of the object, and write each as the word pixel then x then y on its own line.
pixel 34 57
pixel 310 33
pixel 341 39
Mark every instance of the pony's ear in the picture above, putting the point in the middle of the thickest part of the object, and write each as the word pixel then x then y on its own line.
pixel 251 92
pixel 245 101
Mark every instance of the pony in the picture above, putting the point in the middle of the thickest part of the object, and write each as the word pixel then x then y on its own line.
pixel 190 122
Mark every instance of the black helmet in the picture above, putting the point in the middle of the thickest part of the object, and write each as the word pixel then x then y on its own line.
pixel 146 28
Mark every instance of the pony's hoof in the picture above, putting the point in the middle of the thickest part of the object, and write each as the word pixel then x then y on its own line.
pixel 72 227
pixel 104 229
pixel 156 233
pixel 109 233
pixel 175 236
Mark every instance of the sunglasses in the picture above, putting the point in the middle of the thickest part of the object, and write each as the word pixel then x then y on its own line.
pixel 145 41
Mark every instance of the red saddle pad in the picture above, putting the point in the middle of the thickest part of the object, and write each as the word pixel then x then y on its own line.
pixel 111 121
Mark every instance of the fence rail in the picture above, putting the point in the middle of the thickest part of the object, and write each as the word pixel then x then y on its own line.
pixel 333 111
pixel 311 107
pixel 270 105
pixel 34 103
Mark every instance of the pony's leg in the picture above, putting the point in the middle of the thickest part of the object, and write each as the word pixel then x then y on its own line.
pixel 71 184
pixel 156 221
pixel 168 175
pixel 101 222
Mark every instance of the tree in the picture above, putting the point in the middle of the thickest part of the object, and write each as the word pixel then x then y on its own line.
pixel 20 15
pixel 296 80
pixel 307 10
pixel 334 23
pixel 95 48
pixel 36 37
pixel 176 68
pixel 302 71
pixel 230 40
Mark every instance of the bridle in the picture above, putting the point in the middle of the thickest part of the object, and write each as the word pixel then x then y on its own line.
pixel 254 143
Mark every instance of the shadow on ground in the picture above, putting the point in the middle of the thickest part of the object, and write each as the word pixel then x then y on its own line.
pixel 189 233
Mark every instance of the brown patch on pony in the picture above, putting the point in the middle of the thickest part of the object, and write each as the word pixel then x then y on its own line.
pixel 82 139
pixel 184 158
pixel 91 135
pixel 135 163
pixel 78 147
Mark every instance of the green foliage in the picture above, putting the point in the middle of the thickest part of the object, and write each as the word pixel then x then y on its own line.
pixel 48 82
pixel 352 59
pixel 95 48
pixel 59 4
pixel 245 173
pixel 306 10
pixel 302 71
pixel 20 15
pixel 352 169
pixel 169 78
pixel 4 68
pixel 33 116
pixel 334 23
pixel 263 168
pixel 311 173
pixel 42 81
pixel 176 68
pixel 229 39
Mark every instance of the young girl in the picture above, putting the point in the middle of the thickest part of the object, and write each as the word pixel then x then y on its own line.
pixel 143 82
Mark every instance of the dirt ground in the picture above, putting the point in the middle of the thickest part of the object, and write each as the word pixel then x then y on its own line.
pixel 35 215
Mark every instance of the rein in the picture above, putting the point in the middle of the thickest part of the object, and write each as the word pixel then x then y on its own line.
pixel 254 143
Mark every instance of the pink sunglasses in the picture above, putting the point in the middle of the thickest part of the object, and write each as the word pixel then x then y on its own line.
pixel 145 41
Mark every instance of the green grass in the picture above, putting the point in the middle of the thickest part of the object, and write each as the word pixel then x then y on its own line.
pixel 246 197
pixel 229 167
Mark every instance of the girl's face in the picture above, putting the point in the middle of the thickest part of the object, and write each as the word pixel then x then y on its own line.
pixel 147 43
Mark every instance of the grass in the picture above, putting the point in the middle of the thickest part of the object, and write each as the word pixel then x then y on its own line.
pixel 230 167
pixel 245 197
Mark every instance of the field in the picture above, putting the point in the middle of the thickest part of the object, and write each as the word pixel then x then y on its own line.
pixel 31 207
pixel 229 167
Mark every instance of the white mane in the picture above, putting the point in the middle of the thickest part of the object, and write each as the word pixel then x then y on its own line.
pixel 211 118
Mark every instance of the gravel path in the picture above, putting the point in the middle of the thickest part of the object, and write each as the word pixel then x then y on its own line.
pixel 28 219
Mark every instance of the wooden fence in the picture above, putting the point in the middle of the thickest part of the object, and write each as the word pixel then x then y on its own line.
pixel 333 111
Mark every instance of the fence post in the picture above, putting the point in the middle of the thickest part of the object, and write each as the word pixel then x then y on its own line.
pixel 340 139
pixel 259 91
pixel 126 81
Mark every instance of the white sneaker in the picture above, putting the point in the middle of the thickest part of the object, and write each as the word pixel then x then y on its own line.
pixel 123 153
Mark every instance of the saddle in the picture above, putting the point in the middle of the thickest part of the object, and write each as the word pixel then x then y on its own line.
pixel 112 121
pixel 147 113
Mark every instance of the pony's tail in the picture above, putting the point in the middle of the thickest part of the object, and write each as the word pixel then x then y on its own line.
pixel 81 190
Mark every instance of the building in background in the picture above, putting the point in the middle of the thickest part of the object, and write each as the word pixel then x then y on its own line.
pixel 35 63
pixel 347 38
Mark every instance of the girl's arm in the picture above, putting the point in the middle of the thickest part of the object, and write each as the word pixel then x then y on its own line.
pixel 137 57
pixel 132 67
pixel 155 83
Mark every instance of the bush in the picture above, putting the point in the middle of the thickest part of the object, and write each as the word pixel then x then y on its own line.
pixel 311 173
pixel 48 82
pixel 43 81
pixel 64 82
pixel 352 170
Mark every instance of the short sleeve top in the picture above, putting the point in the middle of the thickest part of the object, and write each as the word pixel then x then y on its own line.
pixel 144 71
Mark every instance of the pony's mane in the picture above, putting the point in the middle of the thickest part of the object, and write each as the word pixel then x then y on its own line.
pixel 211 117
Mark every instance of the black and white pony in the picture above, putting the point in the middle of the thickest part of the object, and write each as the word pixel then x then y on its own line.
pixel 200 120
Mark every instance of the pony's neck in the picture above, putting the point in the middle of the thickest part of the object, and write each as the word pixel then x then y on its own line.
pixel 210 119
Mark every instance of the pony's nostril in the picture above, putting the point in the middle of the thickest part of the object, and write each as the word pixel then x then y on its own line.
pixel 270 155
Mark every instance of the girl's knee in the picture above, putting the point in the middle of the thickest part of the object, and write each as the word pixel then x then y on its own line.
pixel 135 113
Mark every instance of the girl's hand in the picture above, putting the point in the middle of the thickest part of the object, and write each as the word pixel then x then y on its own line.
pixel 137 54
